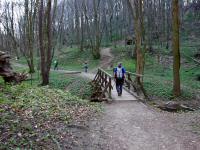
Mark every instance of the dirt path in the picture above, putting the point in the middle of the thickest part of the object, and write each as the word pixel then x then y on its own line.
pixel 135 126
pixel 106 58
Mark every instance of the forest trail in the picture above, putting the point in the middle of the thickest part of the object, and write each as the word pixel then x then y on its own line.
pixel 135 126
pixel 132 125
pixel 106 63
pixel 106 58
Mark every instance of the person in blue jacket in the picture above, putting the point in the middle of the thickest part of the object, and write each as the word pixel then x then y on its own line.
pixel 119 74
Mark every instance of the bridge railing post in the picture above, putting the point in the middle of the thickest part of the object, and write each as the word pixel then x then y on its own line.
pixel 110 87
pixel 104 82
pixel 129 78
pixel 100 77
pixel 105 78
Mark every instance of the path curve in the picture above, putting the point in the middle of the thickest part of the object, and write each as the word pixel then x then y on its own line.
pixel 106 58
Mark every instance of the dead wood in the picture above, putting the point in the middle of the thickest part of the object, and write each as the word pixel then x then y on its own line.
pixel 174 106
pixel 7 72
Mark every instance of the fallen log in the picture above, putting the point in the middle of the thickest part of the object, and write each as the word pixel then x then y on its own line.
pixel 7 72
pixel 174 107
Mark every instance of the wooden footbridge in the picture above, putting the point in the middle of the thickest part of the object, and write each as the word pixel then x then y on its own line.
pixel 104 87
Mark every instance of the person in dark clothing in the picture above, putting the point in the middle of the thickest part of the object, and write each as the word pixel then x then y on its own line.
pixel 85 67
pixel 119 74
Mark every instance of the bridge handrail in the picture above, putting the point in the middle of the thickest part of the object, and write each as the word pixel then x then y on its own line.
pixel 134 74
pixel 104 80
pixel 127 72
pixel 109 75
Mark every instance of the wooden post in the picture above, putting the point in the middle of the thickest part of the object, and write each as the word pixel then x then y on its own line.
pixel 106 79
pixel 100 77
pixel 110 87
pixel 96 76
pixel 129 77
pixel 104 76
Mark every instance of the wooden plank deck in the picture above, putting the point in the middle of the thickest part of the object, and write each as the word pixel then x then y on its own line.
pixel 126 96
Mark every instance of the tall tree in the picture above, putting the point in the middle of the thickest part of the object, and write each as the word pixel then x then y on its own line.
pixel 31 8
pixel 97 42
pixel 82 27
pixel 137 6
pixel 45 40
pixel 77 22
pixel 93 22
pixel 175 48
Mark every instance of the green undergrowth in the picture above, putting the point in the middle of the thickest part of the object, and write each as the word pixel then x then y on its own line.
pixel 158 76
pixel 35 117
pixel 31 115
pixel 73 59
pixel 60 80
pixel 124 54
pixel 68 59
pixel 81 88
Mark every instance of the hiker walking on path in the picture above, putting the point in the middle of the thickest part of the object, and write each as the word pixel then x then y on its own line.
pixel 85 67
pixel 55 65
pixel 119 74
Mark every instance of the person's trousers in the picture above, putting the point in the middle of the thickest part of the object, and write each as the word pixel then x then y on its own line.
pixel 56 67
pixel 119 85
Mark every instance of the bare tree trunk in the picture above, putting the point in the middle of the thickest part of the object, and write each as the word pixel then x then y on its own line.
pixel 111 11
pixel 49 38
pixel 168 23
pixel 82 28
pixel 77 23
pixel 175 48
pixel 96 48
pixel 27 32
pixel 138 17
pixel 41 40
pixel 60 40
pixel 29 36
pixel 45 33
